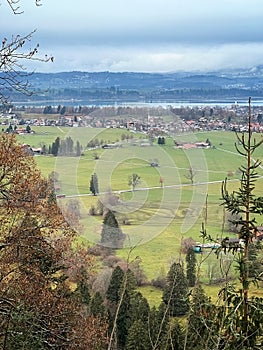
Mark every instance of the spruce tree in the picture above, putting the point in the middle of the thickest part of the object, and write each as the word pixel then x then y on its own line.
pixel 138 337
pixel 240 319
pixel 116 281
pixel 111 234
pixel 175 295
pixel 247 205
pixel 122 320
pixel 175 338
pixel 82 290
pixel 200 331
pixel 119 294
pixel 158 325
pixel 139 308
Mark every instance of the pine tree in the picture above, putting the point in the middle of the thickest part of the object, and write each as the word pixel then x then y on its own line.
pixel 191 267
pixel 111 234
pixel 175 294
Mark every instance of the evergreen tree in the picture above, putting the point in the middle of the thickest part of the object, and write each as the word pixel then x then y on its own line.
pixel 138 337
pixel 28 129
pixel 201 329
pixel 48 110
pixel 123 320
pixel 254 265
pixel 158 324
pixel 69 146
pixel 247 205
pixel 44 150
pixel 240 319
pixel 111 234
pixel 94 184
pixel 136 312
pixel 83 288
pixel 124 313
pixel 161 140
pixel 174 337
pixel 116 281
pixel 155 326
pixel 96 305
pixel 63 110
pixel 139 308
pixel 191 267
pixel 120 293
pixel 78 149
pixel 175 295
pixel 55 147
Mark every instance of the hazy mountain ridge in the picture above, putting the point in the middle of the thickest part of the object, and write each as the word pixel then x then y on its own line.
pixel 135 86
pixel 130 80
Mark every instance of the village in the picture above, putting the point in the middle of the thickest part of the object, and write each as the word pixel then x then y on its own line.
pixel 155 120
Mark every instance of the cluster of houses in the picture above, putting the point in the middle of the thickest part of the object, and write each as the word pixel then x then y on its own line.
pixel 179 120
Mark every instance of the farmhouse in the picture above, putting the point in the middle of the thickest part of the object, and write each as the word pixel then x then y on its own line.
pixel 189 145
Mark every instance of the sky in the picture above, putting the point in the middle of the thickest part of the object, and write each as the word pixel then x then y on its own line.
pixel 140 35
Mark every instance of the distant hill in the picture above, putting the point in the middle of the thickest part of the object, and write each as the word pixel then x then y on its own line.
pixel 134 86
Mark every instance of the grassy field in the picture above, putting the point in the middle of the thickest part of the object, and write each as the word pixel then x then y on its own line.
pixel 159 217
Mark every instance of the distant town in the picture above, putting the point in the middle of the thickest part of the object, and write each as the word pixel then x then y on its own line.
pixel 150 120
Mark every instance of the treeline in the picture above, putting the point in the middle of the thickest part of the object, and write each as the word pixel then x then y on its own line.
pixel 63 147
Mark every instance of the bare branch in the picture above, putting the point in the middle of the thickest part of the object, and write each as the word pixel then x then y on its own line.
pixel 14 5
pixel 12 70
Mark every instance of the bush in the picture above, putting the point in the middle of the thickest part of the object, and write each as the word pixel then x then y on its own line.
pixel 186 244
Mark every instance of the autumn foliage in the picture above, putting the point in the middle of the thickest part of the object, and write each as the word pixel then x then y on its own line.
pixel 40 271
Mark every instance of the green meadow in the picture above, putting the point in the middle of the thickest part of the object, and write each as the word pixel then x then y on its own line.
pixel 159 216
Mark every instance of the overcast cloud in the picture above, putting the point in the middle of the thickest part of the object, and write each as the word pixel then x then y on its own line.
pixel 141 35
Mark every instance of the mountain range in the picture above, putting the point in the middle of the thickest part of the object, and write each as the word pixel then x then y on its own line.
pixel 145 87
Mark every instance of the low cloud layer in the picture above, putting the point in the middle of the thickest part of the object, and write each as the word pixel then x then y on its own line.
pixel 145 35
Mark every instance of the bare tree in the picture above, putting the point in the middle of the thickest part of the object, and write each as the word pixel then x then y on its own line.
pixel 12 57
pixel 190 174
pixel 134 180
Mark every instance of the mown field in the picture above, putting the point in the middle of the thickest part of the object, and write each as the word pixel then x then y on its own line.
pixel 158 217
